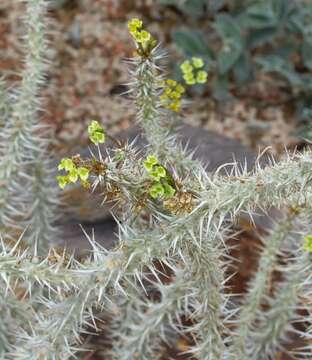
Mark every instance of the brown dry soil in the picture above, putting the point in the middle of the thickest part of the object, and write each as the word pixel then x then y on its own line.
pixel 87 71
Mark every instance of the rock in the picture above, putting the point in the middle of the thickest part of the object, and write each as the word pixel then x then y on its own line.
pixel 212 149
pixel 73 34
pixel 57 4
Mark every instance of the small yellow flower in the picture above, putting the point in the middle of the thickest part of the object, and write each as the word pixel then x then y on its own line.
pixel 157 190
pixel 197 62
pixel 175 95
pixel 62 181
pixel 201 77
pixel 158 172
pixel 96 132
pixel 191 73
pixel 66 164
pixel 144 40
pixel 83 173
pixel 168 91
pixel 186 67
pixel 189 79
pixel 180 89
pixel 160 175
pixel 134 24
pixel 150 162
pixel 171 82
pixel 175 106
pixel 73 175
pixel 86 184
pixel 171 97
pixel 142 36
pixel 307 246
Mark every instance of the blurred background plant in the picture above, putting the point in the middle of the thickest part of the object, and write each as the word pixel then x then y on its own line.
pixel 246 37
pixel 262 108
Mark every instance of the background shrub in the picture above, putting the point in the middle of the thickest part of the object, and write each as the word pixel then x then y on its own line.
pixel 251 36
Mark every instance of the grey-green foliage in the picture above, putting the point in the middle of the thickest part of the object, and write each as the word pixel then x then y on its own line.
pixel 49 301
pixel 196 8
pixel 253 35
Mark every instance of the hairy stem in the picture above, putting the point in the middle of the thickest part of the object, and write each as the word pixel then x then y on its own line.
pixel 24 161
pixel 260 283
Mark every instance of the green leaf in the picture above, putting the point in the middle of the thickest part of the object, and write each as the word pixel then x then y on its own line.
pixel 285 50
pixel 169 2
pixel 226 60
pixel 227 27
pixel 221 88
pixel 306 52
pixel 233 42
pixel 192 43
pixel 243 69
pixel 216 5
pixel 274 63
pixel 307 86
pixel 264 14
pixel 304 133
pixel 259 37
pixel 307 31
pixel 195 8
pixel 258 16
pixel 270 63
pixel 297 23
pixel 283 10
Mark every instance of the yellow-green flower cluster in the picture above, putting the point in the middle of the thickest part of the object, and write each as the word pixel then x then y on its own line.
pixel 96 132
pixel 193 72
pixel 73 173
pixel 140 35
pixel 307 246
pixel 171 96
pixel 160 186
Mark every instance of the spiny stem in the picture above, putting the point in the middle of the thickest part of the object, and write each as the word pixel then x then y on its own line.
pixel 260 283
pixel 24 143
pixel 276 322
